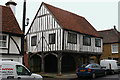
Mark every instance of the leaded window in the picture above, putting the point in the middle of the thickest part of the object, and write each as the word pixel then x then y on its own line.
pixel 86 41
pixel 72 38
pixel 97 42
pixel 33 40
pixel 52 38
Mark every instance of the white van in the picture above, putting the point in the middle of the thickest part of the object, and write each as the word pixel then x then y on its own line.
pixel 110 65
pixel 16 71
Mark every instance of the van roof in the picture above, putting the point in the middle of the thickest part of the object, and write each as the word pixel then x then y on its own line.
pixel 108 60
pixel 10 62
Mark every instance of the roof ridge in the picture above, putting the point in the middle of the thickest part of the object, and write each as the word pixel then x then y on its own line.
pixel 4 6
pixel 106 30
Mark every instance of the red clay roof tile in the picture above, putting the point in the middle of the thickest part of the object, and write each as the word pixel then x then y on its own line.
pixel 72 21
pixel 9 23
pixel 110 36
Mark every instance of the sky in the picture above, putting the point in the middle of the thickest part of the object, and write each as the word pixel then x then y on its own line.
pixel 101 14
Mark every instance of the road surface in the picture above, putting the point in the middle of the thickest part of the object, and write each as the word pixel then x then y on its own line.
pixel 108 77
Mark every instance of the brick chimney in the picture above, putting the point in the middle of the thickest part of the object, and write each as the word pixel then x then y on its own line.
pixel 12 5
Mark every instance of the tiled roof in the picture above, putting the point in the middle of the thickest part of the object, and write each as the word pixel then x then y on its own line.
pixel 8 22
pixel 71 21
pixel 110 36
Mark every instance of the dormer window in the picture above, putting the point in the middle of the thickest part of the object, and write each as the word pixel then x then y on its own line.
pixel 3 41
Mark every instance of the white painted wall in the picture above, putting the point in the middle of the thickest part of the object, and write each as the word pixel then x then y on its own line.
pixel 79 46
pixel 13 48
pixel 14 58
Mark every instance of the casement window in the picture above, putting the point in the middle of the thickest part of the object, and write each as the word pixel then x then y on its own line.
pixel 97 42
pixel 3 41
pixel 33 40
pixel 72 38
pixel 52 38
pixel 86 41
pixel 114 48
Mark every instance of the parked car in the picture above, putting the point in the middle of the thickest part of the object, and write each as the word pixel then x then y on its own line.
pixel 16 71
pixel 112 66
pixel 90 70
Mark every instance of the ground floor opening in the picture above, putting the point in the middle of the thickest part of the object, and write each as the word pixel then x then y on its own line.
pixel 50 63
pixel 68 63
pixel 35 63
pixel 57 62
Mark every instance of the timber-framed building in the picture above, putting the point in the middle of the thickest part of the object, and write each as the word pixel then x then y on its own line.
pixel 10 34
pixel 59 41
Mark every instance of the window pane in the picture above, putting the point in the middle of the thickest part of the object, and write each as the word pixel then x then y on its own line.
pixel 86 41
pixel 114 48
pixel 3 41
pixel 4 44
pixel 2 37
pixel 33 40
pixel 52 38
pixel 22 70
pixel 97 42
pixel 72 38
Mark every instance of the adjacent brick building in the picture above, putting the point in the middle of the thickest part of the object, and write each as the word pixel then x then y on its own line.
pixel 111 42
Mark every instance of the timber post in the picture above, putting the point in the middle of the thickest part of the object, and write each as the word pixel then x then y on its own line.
pixel 59 64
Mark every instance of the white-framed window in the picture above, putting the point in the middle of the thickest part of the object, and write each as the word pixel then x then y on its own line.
pixel 114 48
pixel 3 41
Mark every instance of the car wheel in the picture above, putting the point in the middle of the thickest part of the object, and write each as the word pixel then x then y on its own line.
pixel 93 75
pixel 79 77
pixel 105 73
pixel 113 72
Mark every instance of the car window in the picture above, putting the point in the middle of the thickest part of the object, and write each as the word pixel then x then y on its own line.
pixel 85 66
pixel 22 70
pixel 93 66
pixel 98 66
pixel 118 64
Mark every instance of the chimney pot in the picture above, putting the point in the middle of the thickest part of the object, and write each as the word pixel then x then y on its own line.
pixel 12 5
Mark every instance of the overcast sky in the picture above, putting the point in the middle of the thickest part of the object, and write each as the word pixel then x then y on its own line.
pixel 102 14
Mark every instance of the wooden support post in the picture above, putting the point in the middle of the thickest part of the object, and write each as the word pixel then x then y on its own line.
pixel 42 58
pixel 98 59
pixel 59 65
pixel 42 64
pixel 88 58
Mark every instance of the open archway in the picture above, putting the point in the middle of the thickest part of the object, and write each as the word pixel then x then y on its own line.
pixel 35 62
pixel 68 63
pixel 51 63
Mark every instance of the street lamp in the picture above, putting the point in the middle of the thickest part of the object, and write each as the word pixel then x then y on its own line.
pixel 27 22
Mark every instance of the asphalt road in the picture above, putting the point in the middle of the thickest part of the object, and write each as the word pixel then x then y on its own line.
pixel 108 77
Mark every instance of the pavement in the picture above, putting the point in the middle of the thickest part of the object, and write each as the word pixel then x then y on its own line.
pixel 54 75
